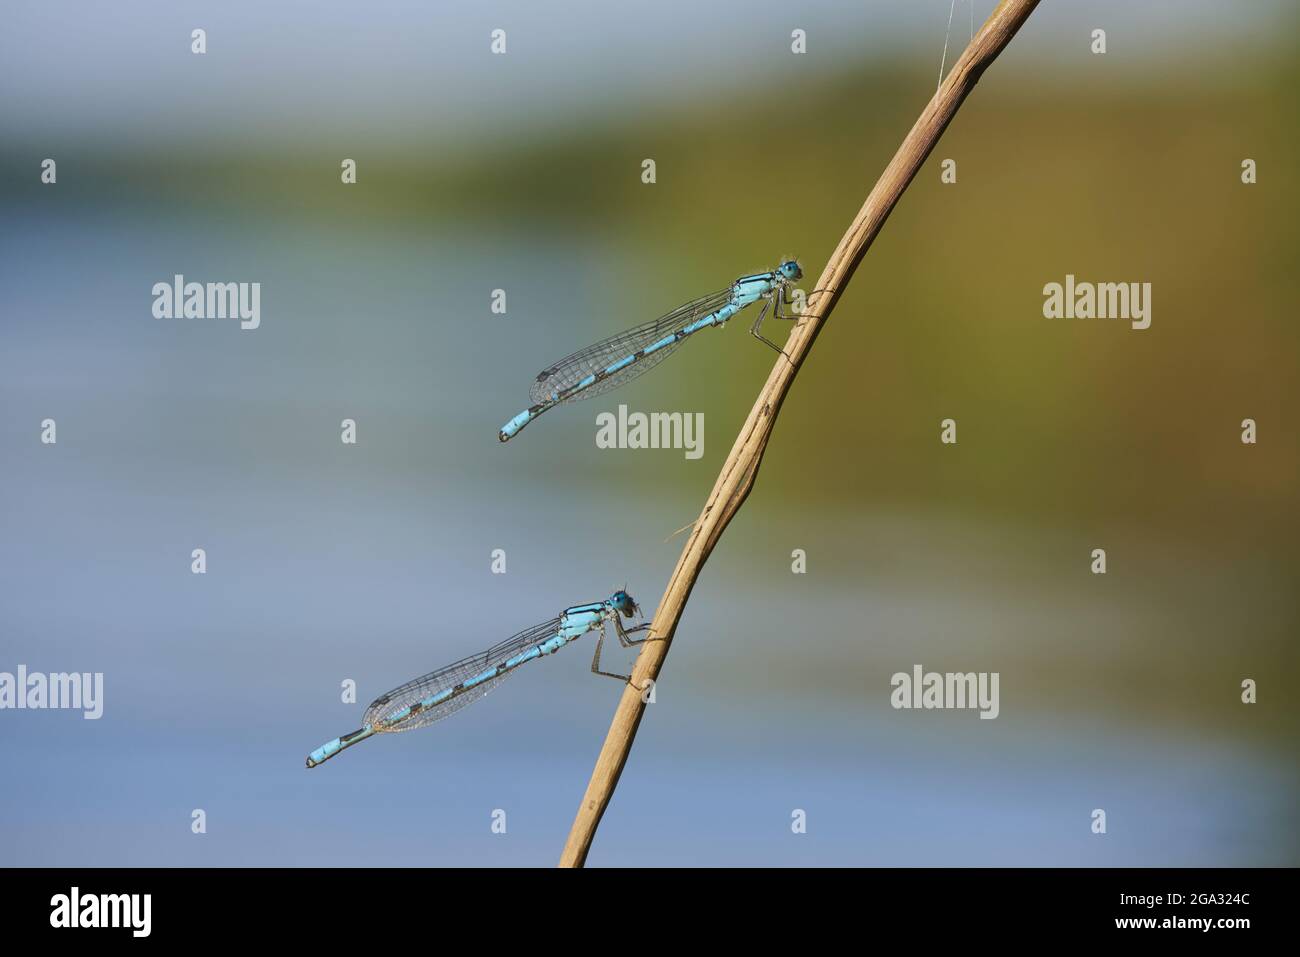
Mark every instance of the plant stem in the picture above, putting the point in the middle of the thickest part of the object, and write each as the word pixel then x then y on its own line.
pixel 741 467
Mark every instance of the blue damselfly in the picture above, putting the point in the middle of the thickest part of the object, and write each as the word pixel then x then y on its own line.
pixel 434 696
pixel 618 359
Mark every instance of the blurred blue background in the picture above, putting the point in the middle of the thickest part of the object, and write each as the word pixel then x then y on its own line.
pixel 522 172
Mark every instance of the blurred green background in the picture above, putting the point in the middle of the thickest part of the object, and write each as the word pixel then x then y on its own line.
pixel 522 172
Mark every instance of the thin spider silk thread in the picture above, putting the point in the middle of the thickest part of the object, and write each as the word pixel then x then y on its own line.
pixel 970 5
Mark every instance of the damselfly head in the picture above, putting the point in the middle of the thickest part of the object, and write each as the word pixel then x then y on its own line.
pixel 789 270
pixel 624 604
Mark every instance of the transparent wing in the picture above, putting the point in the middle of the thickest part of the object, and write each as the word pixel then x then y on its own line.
pixel 571 370
pixel 413 692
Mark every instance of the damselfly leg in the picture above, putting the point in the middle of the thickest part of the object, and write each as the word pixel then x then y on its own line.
pixel 783 301
pixel 758 324
pixel 625 639
pixel 776 301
